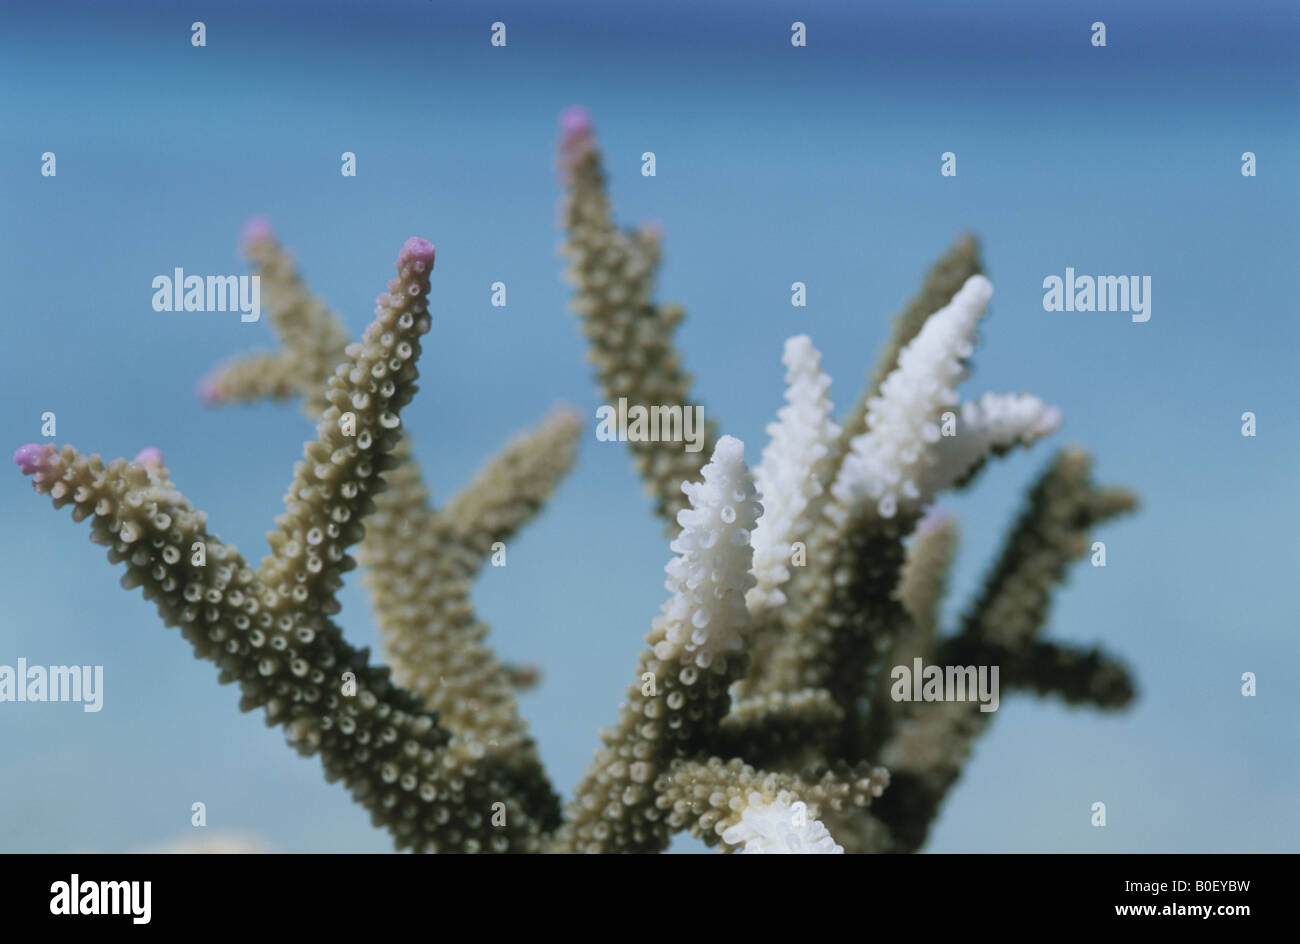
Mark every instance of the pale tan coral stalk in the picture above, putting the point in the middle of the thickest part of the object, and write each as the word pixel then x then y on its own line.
pixel 630 335
pixel 312 337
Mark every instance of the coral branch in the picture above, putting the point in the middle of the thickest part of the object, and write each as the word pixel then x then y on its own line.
pixel 893 463
pixel 1076 676
pixel 374 736
pixel 789 729
pixel 941 283
pixel 433 639
pixel 630 336
pixel 334 483
pixel 255 376
pixel 313 337
pixel 695 652
pixel 420 560
pixel 794 474
pixel 522 677
pixel 990 426
pixel 1052 531
pixel 928 749
pixel 846 616
pixel 513 486
pixel 925 573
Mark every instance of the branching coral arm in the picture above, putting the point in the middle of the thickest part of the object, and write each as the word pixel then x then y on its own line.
pixel 846 618
pixel 889 466
pixel 927 750
pixel 1052 531
pixel 921 585
pixel 696 650
pixel 513 486
pixel 432 637
pixel 258 375
pixel 339 473
pixel 779 730
pixel 419 564
pixel 793 477
pixel 1076 675
pixel 507 492
pixel 630 336
pixel 504 496
pixel 842 612
pixel 925 574
pixel 313 337
pixel 377 738
pixel 988 427
pixel 941 283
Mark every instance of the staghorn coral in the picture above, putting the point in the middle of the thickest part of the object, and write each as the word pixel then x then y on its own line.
pixel 759 717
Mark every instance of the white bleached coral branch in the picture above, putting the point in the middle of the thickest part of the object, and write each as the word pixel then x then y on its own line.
pixel 794 474
pixel 890 463
pixel 775 827
pixel 706 617
pixel 993 423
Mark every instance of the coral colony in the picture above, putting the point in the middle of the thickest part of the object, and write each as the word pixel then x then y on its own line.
pixel 795 692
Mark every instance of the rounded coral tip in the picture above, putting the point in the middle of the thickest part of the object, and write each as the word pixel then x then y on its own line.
pixel 416 249
pixel 1051 419
pixel 255 230
pixel 729 450
pixel 979 288
pixel 149 455
pixel 575 121
pixel 207 391
pixel 31 457
pixel 934 519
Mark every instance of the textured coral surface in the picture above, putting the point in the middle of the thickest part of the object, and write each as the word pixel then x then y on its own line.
pixel 758 715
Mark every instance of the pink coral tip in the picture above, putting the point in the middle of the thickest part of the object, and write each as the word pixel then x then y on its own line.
pixel 576 139
pixel 31 457
pixel 416 249
pixel 255 230
pixel 207 391
pixel 575 122
pixel 149 455
pixel 934 519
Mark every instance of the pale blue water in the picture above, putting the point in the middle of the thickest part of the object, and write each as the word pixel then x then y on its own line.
pixel 774 164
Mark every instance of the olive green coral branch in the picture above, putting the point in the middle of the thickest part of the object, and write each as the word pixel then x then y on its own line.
pixel 513 486
pixel 1076 675
pixel 339 473
pixel 270 629
pixel 433 639
pixel 629 334
pixel 779 730
pixel 313 338
pixel 420 557
pixel 926 750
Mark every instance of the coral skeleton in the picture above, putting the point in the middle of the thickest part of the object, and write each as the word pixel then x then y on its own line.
pixel 758 717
